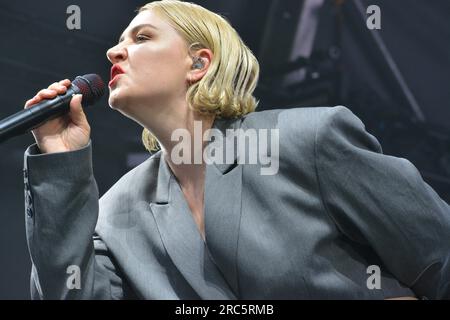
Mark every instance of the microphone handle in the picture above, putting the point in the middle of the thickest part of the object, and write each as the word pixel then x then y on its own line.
pixel 30 118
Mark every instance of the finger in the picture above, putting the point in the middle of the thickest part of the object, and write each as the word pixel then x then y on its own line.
pixel 47 93
pixel 29 102
pixel 32 101
pixel 65 82
pixel 60 89
pixel 53 85
pixel 76 110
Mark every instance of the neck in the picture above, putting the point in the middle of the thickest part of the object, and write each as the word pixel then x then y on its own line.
pixel 188 128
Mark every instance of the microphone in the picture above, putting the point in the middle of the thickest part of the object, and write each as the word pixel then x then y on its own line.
pixel 91 86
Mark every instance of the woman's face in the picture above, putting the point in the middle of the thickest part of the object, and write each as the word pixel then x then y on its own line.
pixel 155 62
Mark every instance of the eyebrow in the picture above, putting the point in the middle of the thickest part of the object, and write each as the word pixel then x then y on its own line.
pixel 135 28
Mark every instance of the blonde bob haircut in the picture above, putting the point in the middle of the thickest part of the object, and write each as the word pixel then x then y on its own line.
pixel 226 90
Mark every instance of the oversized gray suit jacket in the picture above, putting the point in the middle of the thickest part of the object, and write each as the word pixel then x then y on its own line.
pixel 337 206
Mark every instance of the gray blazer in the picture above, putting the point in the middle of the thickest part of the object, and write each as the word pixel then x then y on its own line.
pixel 336 206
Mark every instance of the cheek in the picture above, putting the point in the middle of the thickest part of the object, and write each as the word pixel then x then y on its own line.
pixel 159 66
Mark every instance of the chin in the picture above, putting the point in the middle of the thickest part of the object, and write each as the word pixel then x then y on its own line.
pixel 115 101
pixel 112 105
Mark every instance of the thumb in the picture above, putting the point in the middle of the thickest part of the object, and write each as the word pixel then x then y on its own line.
pixel 76 110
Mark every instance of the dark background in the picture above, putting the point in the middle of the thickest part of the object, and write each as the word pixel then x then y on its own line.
pixel 397 80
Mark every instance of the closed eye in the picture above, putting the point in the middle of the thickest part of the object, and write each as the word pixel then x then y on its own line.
pixel 141 38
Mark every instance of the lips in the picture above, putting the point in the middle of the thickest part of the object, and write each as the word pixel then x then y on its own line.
pixel 115 71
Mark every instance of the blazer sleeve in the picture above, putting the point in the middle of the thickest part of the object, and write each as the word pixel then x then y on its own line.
pixel 382 201
pixel 61 202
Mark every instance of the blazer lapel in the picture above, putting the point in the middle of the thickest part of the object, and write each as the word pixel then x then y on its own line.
pixel 222 209
pixel 182 239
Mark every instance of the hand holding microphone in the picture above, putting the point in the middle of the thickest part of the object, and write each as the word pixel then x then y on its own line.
pixel 65 133
pixel 55 115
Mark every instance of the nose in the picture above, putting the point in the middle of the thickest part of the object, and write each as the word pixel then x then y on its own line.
pixel 117 53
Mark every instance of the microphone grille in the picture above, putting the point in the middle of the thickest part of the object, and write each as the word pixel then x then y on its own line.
pixel 91 87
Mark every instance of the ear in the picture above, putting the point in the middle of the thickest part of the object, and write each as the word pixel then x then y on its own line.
pixel 201 60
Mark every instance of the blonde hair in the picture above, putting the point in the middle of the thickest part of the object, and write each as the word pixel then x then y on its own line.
pixel 227 88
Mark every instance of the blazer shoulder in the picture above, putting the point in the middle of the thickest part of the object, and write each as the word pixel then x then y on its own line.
pixel 300 121
pixel 304 116
pixel 314 116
